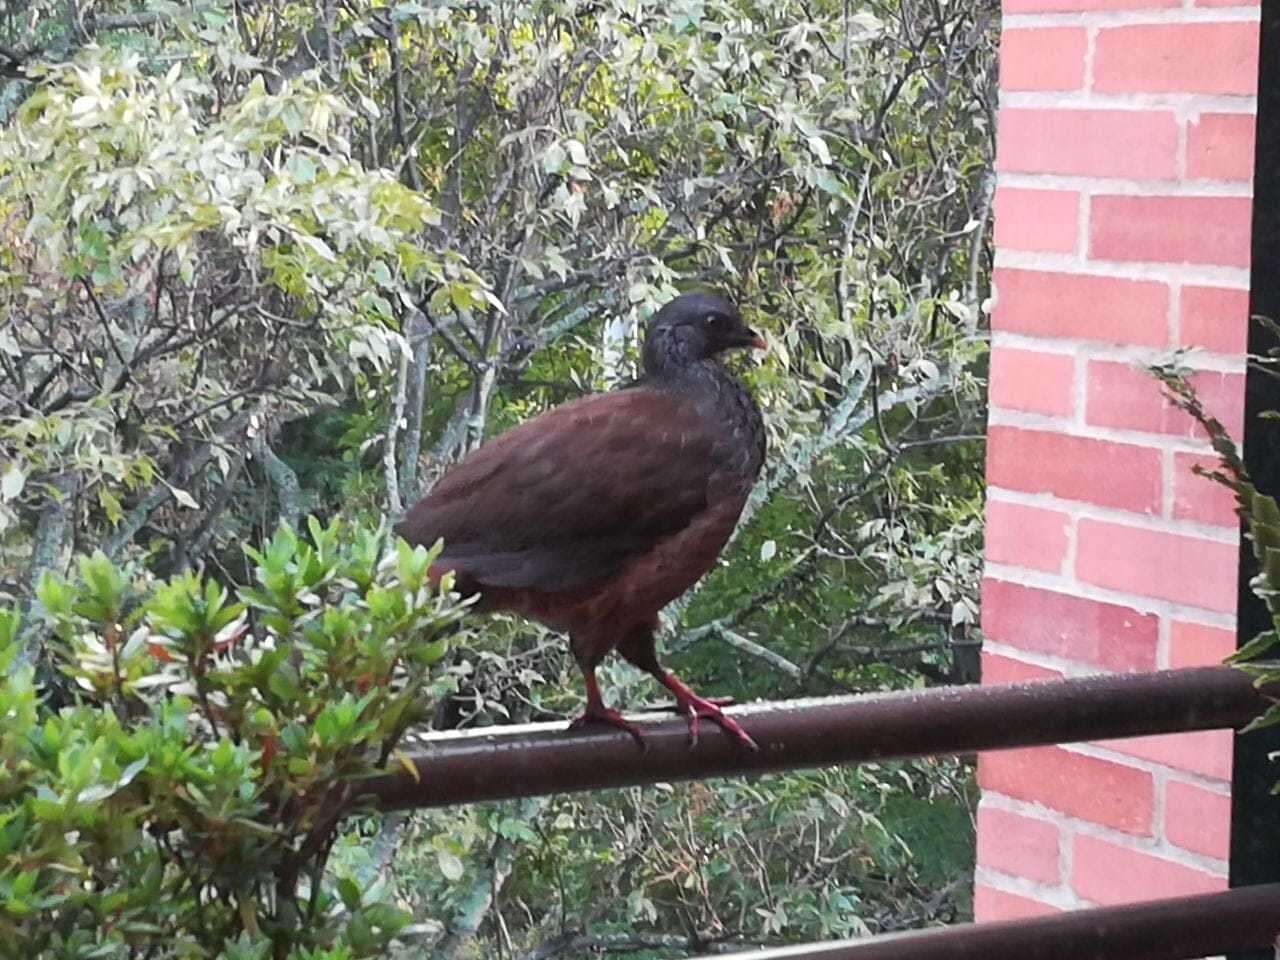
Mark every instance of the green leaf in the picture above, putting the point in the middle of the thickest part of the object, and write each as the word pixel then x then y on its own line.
pixel 1255 648
pixel 349 891
pixel 450 866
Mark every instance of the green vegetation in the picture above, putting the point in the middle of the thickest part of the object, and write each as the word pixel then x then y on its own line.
pixel 1260 512
pixel 266 261
pixel 184 803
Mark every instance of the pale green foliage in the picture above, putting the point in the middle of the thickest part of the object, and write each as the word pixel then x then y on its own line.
pixel 130 200
pixel 805 856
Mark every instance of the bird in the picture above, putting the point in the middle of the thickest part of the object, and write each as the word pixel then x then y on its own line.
pixel 594 515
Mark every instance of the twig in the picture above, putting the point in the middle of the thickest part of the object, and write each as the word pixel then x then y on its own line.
pixel 978 240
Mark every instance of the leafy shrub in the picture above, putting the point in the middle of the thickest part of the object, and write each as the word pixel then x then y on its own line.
pixel 184 804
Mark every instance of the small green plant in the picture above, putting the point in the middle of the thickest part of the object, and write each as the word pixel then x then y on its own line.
pixel 185 803
pixel 1262 514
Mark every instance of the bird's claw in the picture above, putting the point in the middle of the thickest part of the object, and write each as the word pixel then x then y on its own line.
pixel 609 717
pixel 697 708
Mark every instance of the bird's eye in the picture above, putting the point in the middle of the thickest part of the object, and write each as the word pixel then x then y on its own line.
pixel 713 320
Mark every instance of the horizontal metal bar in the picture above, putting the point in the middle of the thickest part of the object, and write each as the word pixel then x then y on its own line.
pixel 496 763
pixel 1183 928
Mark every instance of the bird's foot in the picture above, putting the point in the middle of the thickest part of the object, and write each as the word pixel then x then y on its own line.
pixel 609 717
pixel 697 708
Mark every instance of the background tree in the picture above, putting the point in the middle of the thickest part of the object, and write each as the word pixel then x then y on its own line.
pixel 269 259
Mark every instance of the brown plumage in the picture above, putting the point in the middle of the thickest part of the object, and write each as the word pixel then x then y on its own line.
pixel 595 515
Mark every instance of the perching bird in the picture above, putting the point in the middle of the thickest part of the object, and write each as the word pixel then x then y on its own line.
pixel 593 516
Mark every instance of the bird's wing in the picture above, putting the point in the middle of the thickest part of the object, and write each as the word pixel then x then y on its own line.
pixel 570 496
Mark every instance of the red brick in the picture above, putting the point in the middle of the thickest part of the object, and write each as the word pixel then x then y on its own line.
pixel 1199 498
pixel 1088 143
pixel 1042 220
pixel 1017 845
pixel 1152 563
pixel 1108 873
pixel 1072 6
pixel 1198 819
pixel 992 904
pixel 1032 381
pixel 1177 58
pixel 1195 645
pixel 1123 395
pixel 1080 305
pixel 1088 788
pixel 1025 536
pixel 1214 318
pixel 1076 468
pixel 1100 634
pixel 1206 752
pixel 1211 230
pixel 1220 146
pixel 998 669
pixel 1042 58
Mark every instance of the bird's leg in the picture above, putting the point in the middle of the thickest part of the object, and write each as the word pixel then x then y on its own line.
pixel 695 707
pixel 637 647
pixel 597 712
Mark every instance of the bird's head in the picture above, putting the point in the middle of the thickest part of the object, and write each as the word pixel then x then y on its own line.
pixel 694 327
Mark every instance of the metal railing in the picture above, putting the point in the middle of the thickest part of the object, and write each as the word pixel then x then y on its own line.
pixel 1184 928
pixel 497 763
pixel 502 763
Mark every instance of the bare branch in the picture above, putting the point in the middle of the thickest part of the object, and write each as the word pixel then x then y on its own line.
pixel 186 466
pixel 720 631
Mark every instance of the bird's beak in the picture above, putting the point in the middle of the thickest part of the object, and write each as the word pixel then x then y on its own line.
pixel 755 341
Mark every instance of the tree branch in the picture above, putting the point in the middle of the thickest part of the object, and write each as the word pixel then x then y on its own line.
pixel 408 162
pixel 50 549
pixel 720 630
pixel 978 240
pixel 186 467
pixel 390 470
pixel 284 481
pixel 415 398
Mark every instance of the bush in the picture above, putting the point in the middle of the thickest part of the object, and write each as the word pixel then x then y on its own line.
pixel 184 803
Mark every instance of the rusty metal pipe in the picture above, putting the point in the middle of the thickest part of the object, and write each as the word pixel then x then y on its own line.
pixel 495 763
pixel 1183 928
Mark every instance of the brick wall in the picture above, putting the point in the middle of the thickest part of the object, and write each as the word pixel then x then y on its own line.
pixel 1125 155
